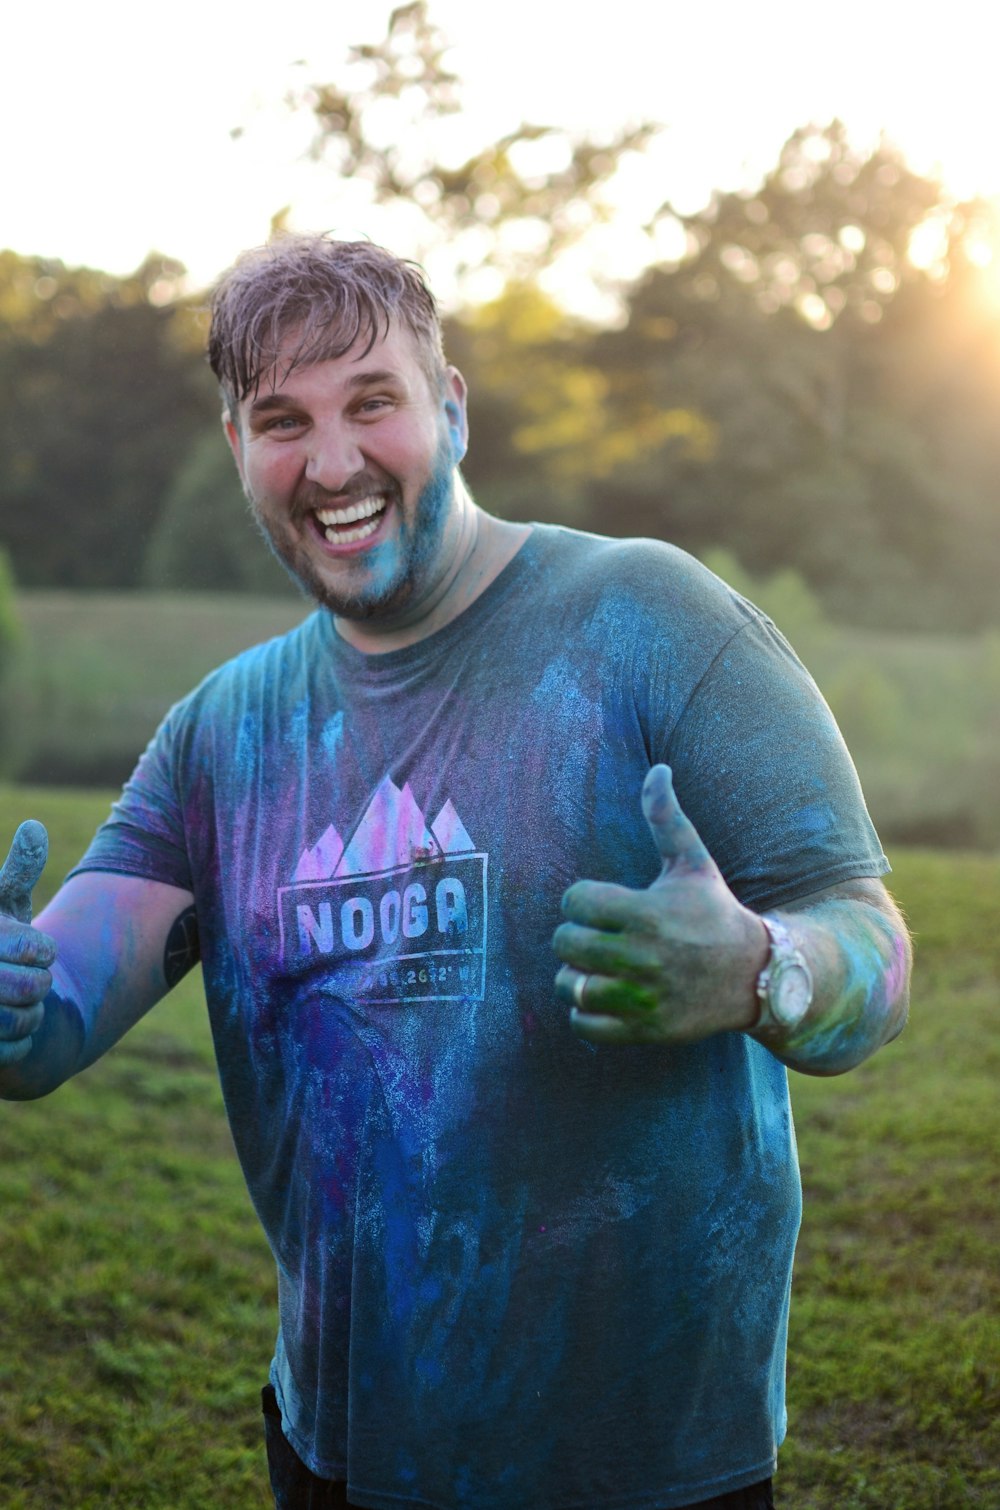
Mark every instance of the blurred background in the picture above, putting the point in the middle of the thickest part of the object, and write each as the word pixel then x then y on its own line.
pixel 730 279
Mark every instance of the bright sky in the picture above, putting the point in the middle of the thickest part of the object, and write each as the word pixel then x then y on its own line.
pixel 116 120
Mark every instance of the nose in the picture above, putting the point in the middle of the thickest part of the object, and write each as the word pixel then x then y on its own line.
pixel 334 457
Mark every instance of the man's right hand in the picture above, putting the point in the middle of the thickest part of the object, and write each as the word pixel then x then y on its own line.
pixel 26 955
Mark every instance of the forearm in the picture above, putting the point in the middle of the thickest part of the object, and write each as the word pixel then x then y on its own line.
pixel 121 943
pixel 859 954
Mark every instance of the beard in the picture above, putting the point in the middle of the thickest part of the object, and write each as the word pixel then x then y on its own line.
pixel 384 579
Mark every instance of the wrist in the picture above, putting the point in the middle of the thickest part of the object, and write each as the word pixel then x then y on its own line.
pixel 785 987
pixel 756 957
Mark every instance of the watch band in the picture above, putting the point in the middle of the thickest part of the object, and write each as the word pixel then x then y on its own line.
pixel 785 985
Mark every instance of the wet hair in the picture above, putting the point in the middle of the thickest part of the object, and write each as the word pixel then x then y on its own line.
pixel 325 296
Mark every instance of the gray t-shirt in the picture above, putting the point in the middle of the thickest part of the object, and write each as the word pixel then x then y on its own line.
pixel 514 1268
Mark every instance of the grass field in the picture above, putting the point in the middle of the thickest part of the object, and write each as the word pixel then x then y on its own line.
pixel 97 671
pixel 138 1295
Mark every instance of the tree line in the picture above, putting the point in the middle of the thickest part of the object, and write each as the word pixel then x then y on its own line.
pixel 811 382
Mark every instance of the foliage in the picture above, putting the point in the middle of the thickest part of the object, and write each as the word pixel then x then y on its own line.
pixel 139 1293
pixel 515 204
pixel 810 381
pixel 100 389
pixel 10 628
pixel 827 233
pixel 204 537
pixel 537 444
pixel 921 714
pixel 783 596
pixel 10 638
pixel 850 449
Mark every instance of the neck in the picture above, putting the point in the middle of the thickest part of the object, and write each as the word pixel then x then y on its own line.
pixel 477 552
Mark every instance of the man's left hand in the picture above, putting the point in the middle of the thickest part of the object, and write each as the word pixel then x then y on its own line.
pixel 671 964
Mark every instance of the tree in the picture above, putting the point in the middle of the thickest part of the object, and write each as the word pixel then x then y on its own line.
pixel 100 394
pixel 842 388
pixel 812 383
pixel 828 233
pixel 10 634
pixel 205 537
pixel 514 205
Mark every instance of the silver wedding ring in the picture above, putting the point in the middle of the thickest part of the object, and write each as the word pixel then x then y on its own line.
pixel 579 987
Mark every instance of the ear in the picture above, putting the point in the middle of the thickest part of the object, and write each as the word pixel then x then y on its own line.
pixel 235 440
pixel 456 412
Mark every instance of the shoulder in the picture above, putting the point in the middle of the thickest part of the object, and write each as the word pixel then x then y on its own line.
pixel 637 579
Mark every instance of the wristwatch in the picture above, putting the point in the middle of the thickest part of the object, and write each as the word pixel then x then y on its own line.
pixel 785 985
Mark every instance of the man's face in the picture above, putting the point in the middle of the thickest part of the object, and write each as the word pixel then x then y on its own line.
pixel 349 466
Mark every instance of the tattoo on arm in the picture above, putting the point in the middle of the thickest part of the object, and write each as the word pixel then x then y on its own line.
pixel 183 949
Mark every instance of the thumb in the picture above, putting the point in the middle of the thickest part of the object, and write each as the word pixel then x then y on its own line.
pixel 22 868
pixel 674 835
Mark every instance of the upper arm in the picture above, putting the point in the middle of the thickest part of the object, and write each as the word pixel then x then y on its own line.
pixel 867 889
pixel 763 773
pixel 870 892
pixel 112 933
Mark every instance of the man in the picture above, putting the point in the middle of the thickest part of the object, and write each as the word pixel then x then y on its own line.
pixel 533 1241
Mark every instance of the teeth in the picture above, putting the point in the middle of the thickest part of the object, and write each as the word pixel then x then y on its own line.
pixel 345 537
pixel 364 509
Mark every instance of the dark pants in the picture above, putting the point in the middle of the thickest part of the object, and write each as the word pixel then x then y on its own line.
pixel 295 1487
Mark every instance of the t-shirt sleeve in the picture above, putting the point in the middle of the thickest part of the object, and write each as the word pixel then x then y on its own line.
pixel 144 836
pixel 762 771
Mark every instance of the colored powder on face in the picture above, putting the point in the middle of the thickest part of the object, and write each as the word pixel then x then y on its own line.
pixel 398 569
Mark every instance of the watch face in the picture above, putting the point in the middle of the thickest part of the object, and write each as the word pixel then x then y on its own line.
pixel 791 993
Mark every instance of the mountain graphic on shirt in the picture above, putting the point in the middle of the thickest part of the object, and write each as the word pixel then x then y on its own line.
pixel 393 832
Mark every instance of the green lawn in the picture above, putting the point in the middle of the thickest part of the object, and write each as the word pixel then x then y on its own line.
pixel 894 1370
pixel 97 671
pixel 138 1294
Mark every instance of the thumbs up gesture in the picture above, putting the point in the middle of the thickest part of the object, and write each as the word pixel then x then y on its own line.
pixel 671 964
pixel 25 954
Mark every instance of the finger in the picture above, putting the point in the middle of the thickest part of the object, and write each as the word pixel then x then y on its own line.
pixel 614 1011
pixel 602 904
pixel 20 1022
pixel 21 987
pixel 597 1029
pixel 623 1030
pixel 674 835
pixel 568 984
pixel 600 995
pixel 613 954
pixel 22 868
pixel 25 945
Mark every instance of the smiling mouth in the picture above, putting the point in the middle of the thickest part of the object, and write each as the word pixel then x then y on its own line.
pixel 353 522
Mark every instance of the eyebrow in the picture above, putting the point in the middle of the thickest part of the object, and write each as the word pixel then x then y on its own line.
pixel 363 379
pixel 265 402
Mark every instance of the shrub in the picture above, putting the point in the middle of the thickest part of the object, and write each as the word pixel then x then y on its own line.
pixel 10 639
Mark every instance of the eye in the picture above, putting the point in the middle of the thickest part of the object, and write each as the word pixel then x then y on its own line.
pixel 283 424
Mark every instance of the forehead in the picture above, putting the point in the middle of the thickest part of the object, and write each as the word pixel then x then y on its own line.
pixel 392 354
